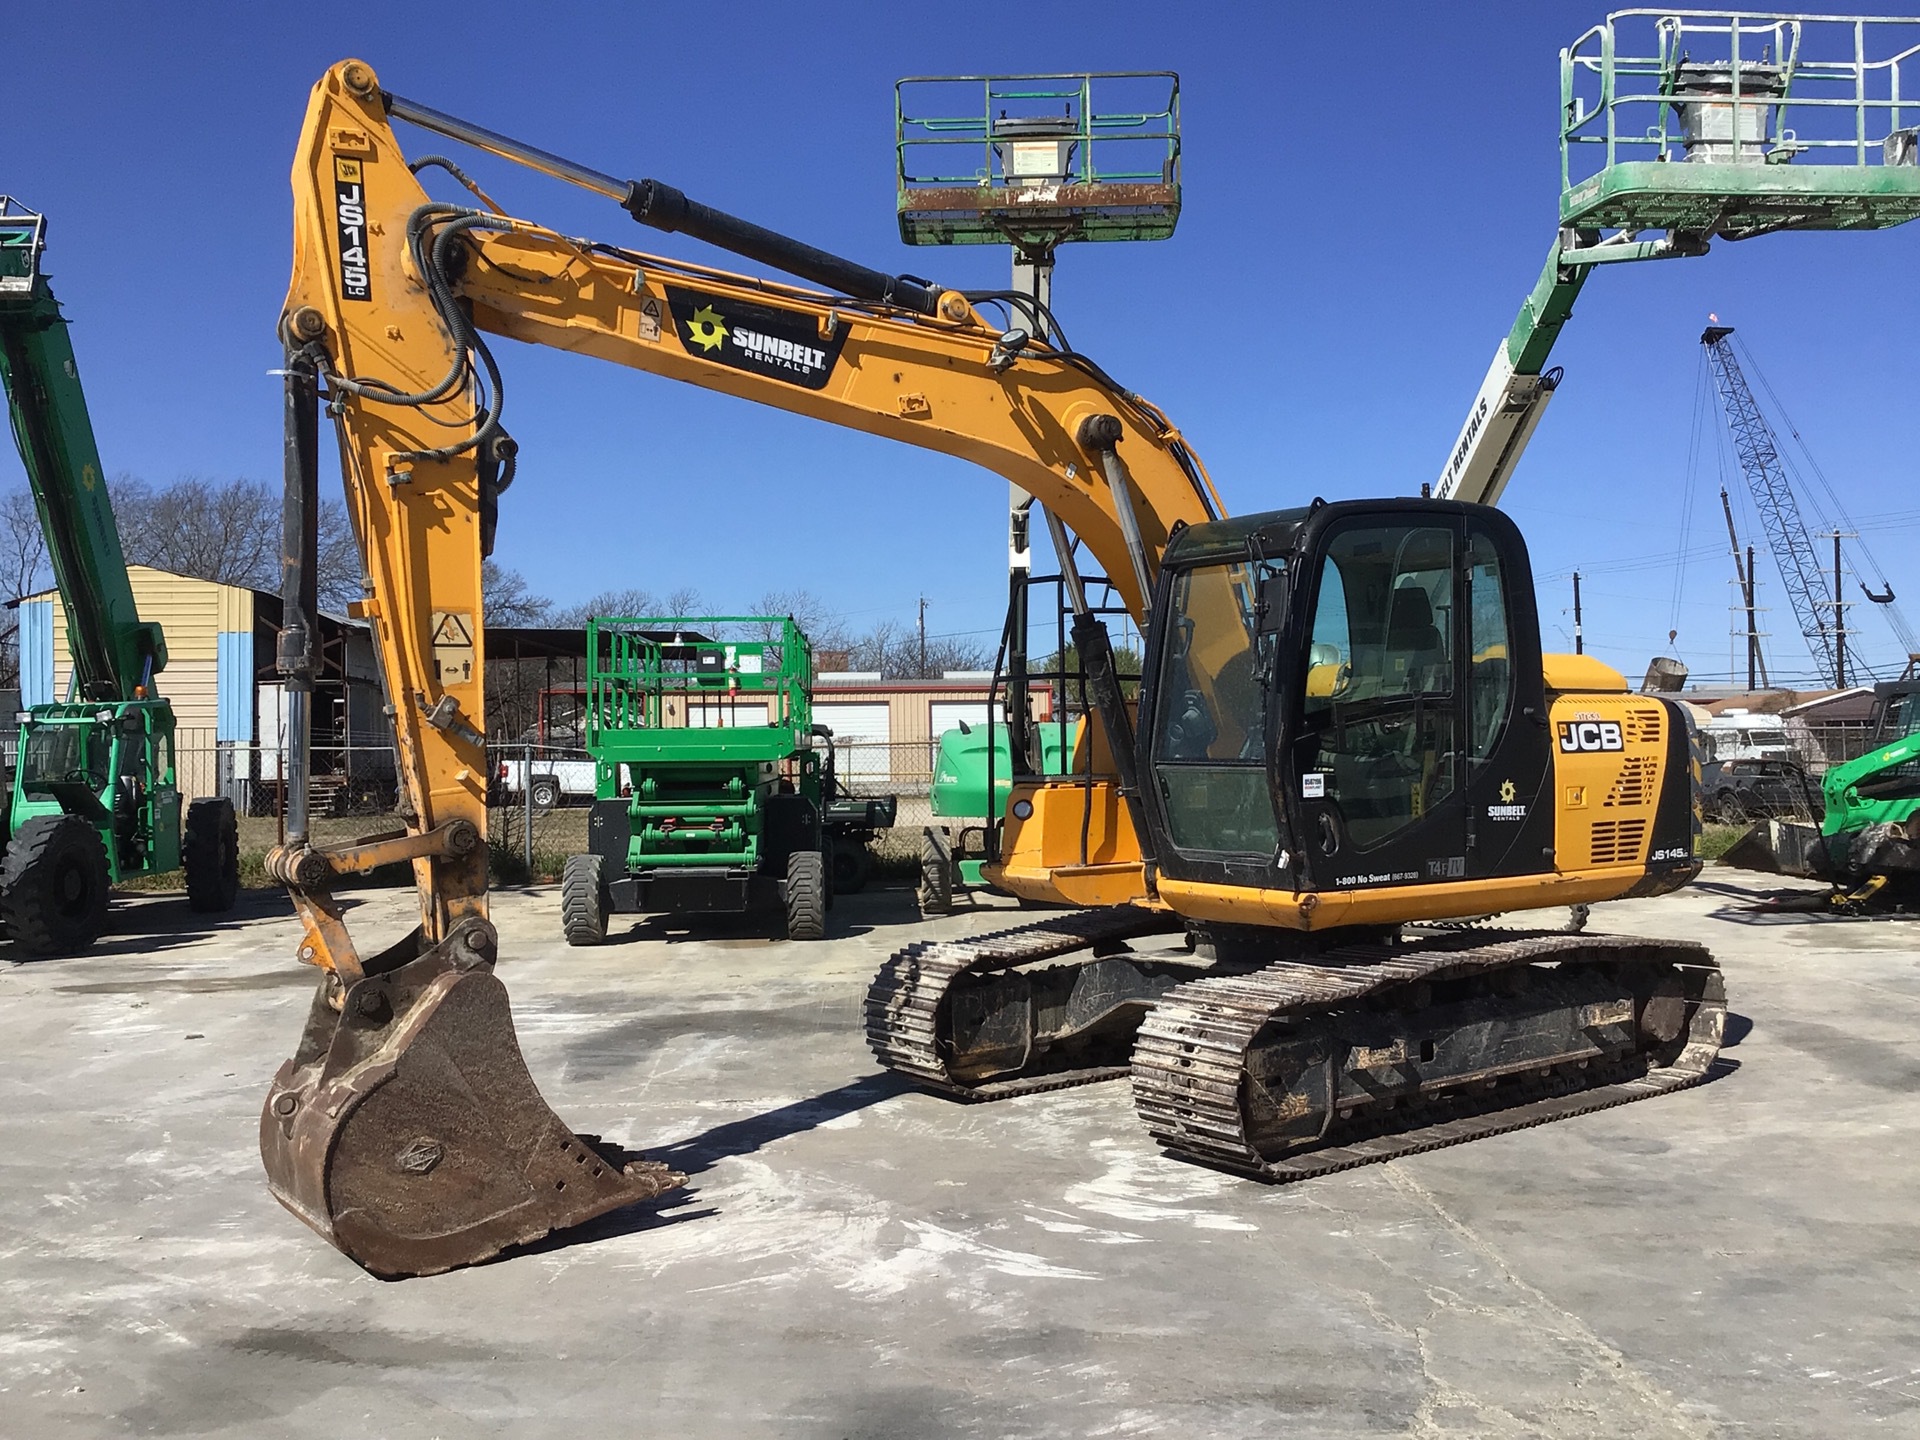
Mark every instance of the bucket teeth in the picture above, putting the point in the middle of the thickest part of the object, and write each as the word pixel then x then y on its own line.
pixel 407 1131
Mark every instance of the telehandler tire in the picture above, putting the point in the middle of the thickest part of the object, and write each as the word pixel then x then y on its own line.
pixel 53 886
pixel 210 854
pixel 852 866
pixel 583 909
pixel 806 895
pixel 936 876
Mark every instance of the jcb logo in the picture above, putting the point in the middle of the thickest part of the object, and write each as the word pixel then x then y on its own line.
pixel 1577 736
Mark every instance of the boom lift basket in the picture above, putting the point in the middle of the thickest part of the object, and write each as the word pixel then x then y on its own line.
pixel 1734 124
pixel 1035 160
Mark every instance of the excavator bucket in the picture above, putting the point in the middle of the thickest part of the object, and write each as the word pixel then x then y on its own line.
pixel 407 1131
pixel 1780 847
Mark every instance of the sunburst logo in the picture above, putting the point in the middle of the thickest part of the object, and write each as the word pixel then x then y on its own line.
pixel 706 329
pixel 1506 792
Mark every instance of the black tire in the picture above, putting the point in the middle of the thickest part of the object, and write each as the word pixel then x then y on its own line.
pixel 852 865
pixel 583 900
pixel 546 791
pixel 53 886
pixel 806 895
pixel 936 878
pixel 210 854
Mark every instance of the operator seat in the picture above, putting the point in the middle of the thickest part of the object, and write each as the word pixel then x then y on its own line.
pixel 1415 651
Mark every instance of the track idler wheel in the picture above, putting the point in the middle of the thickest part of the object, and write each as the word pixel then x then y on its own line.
pixel 407 1131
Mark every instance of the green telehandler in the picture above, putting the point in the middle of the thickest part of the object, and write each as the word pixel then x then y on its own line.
pixel 972 778
pixel 94 799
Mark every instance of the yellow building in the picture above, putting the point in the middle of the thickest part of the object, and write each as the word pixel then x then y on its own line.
pixel 219 679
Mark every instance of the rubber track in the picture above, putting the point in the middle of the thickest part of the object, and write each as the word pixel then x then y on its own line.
pixel 903 1003
pixel 1191 1054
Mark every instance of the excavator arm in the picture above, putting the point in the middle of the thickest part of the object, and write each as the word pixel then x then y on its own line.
pixel 408 1070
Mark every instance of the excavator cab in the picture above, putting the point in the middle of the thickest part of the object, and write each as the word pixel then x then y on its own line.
pixel 1347 696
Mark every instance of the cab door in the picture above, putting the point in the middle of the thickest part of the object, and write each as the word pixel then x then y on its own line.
pixel 1380 738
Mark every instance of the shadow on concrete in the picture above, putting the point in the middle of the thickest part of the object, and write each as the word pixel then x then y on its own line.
pixel 634 1220
pixel 140 924
pixel 1738 1028
pixel 742 1137
pixel 857 914
pixel 699 1153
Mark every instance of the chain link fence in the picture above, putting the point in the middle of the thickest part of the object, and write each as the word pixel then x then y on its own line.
pixel 1760 783
pixel 538 795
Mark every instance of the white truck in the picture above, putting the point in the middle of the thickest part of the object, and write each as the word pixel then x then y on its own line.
pixel 561 779
pixel 1747 735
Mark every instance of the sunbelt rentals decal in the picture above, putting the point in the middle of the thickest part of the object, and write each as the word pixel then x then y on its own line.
pixel 755 338
pixel 350 217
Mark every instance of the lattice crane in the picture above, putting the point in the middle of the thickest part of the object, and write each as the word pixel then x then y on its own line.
pixel 1759 456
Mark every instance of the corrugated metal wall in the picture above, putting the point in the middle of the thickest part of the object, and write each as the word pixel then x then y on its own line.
pixel 36 651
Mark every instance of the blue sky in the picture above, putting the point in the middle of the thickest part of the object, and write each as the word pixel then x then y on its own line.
pixel 1368 196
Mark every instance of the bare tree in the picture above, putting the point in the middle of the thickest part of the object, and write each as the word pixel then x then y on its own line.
pixel 338 557
pixel 893 648
pixel 825 628
pixel 509 599
pixel 225 532
pixel 890 647
pixel 229 532
pixel 23 570
pixel 632 602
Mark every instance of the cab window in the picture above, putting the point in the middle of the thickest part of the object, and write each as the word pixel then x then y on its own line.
pixel 1209 725
pixel 1490 665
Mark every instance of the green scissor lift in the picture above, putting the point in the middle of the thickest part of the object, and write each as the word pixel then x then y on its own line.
pixel 94 799
pixel 714 789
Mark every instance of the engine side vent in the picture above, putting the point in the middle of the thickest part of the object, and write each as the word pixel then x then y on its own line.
pixel 1635 784
pixel 1643 727
pixel 1617 842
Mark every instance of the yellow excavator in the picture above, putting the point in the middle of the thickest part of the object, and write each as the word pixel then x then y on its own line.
pixel 1347 736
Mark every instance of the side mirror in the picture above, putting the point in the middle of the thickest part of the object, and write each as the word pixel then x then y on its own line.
pixel 1270 604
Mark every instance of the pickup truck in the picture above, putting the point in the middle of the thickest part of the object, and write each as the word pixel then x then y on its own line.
pixel 556 779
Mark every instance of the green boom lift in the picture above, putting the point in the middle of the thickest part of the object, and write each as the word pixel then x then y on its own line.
pixel 714 790
pixel 1685 127
pixel 94 799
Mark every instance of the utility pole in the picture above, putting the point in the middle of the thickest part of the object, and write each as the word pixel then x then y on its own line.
pixel 1839 621
pixel 1579 641
pixel 1744 578
pixel 923 637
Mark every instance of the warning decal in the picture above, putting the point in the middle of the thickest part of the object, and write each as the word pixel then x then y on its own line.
pixel 453 651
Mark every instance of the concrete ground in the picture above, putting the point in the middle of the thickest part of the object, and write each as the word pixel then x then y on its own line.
pixel 857 1260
